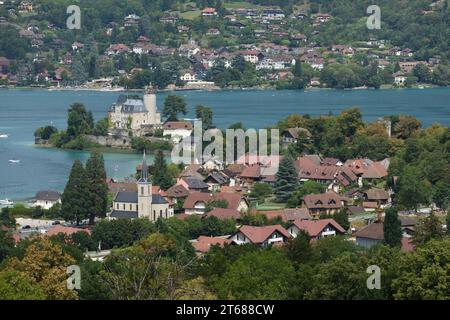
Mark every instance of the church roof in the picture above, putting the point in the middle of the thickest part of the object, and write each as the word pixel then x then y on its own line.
pixel 126 196
pixel 158 199
pixel 129 105
pixel 124 214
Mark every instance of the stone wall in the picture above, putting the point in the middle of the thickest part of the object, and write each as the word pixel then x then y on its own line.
pixel 123 142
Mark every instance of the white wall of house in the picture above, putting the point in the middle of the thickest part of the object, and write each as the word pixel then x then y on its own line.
pixel 45 204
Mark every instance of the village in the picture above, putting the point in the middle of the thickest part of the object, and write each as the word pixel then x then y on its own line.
pixel 270 57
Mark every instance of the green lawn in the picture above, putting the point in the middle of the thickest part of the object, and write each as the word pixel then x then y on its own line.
pixel 241 4
pixel 190 15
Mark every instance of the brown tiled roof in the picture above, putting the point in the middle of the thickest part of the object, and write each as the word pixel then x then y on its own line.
pixel 315 227
pixel 222 214
pixel 295 132
pixel 367 168
pixel 377 194
pixel 175 125
pixel 252 172
pixel 407 221
pixel 372 231
pixel 407 244
pixel 203 243
pixel 329 200
pixel 258 235
pixel 236 168
pixel 177 191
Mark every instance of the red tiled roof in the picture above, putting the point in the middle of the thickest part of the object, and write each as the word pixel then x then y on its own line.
pixel 252 172
pixel 195 197
pixel 66 230
pixel 407 245
pixel 367 168
pixel 203 243
pixel 177 191
pixel 260 234
pixel 222 214
pixel 315 227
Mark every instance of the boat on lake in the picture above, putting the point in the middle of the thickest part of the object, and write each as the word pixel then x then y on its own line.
pixel 6 202
pixel 3 136
pixel 14 161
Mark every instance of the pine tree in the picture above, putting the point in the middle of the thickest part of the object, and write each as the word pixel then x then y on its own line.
pixel 286 180
pixel 342 219
pixel 161 175
pixel 392 228
pixel 75 198
pixel 98 190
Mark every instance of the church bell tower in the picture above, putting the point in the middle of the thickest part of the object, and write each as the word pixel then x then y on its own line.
pixel 144 192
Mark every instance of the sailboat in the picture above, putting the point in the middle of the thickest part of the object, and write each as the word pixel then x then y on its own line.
pixel 14 161
pixel 3 136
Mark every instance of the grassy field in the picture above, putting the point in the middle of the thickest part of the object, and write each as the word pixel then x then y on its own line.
pixel 241 4
pixel 190 15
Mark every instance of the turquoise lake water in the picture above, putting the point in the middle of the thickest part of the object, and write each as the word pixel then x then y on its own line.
pixel 22 111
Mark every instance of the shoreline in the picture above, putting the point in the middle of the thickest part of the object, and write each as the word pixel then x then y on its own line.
pixel 261 88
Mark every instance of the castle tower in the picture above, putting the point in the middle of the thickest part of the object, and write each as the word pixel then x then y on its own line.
pixel 144 192
pixel 150 105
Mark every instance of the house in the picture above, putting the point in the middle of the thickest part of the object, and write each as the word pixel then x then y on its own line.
pixel 217 179
pixel 202 244
pixel 68 231
pixel 177 193
pixel 193 184
pixel 320 18
pixel 316 229
pixel 131 20
pixel 116 49
pixel 324 203
pixel 209 12
pixel 291 135
pixel 177 130
pixel 213 32
pixel 368 169
pixel 141 204
pixel 223 214
pixel 169 19
pixel 286 215
pixel 196 202
pixel 77 46
pixel 132 113
pixel 260 236
pixel 370 235
pixel 47 199
pixel 188 76
pixel 273 14
pixel 379 196
pixel 400 79
pixel 408 226
pixel 212 163
pixel 252 56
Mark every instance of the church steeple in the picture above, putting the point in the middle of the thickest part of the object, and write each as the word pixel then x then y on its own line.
pixel 144 170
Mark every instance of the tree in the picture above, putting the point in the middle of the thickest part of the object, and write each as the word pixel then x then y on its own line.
pixel 174 105
pixel 261 191
pixel 45 132
pixel 392 228
pixel 424 274
pixel 206 115
pixel 308 187
pixel 75 200
pixel 18 286
pixel 79 121
pixel 286 180
pixel 45 263
pixel 299 249
pixel 427 229
pixel 97 187
pixel 216 203
pixel 413 190
pixel 252 276
pixel 342 219
pixel 6 245
pixel 101 127
pixel 161 175
pixel 422 72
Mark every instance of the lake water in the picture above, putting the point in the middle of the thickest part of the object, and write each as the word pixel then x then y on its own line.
pixel 22 111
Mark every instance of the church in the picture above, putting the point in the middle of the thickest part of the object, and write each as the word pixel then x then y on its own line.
pixel 141 204
pixel 134 113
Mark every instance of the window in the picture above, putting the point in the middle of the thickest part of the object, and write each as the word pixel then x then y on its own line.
pixel 166 213
pixel 117 206
pixel 154 215
pixel 131 207
pixel 142 190
pixel 124 206
pixel 160 213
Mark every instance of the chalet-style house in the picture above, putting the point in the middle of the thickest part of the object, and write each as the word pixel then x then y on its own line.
pixel 47 199
pixel 316 229
pixel 368 169
pixel 193 184
pixel 143 203
pixel 291 135
pixel 196 202
pixel 286 215
pixel 324 203
pixel 378 197
pixel 177 193
pixel 217 179
pixel 260 236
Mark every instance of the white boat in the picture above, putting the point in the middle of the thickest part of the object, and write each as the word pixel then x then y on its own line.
pixel 3 136
pixel 6 202
pixel 14 161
